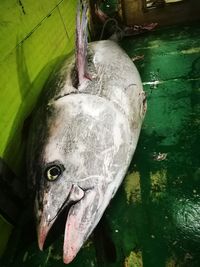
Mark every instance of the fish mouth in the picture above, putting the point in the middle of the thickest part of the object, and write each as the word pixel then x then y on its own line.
pixel 80 213
pixel 49 231
pixel 49 227
pixel 79 225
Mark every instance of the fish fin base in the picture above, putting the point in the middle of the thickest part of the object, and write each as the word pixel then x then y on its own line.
pixel 81 42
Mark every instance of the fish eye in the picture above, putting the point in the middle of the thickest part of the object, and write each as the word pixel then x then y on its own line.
pixel 53 172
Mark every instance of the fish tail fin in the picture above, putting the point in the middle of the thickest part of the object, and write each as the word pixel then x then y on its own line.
pixel 81 41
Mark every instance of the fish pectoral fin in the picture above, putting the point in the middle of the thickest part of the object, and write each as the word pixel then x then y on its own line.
pixel 81 43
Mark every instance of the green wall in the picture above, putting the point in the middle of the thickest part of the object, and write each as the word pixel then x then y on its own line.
pixel 33 35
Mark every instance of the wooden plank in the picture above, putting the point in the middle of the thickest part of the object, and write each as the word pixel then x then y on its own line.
pixel 186 11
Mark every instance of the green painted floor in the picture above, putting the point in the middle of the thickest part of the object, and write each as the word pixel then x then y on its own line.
pixel 154 219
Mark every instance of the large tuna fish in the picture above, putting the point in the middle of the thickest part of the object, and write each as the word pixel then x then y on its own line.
pixel 83 138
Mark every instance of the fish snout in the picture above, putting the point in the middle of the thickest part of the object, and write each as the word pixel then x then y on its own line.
pixel 50 213
pixel 82 207
pixel 82 219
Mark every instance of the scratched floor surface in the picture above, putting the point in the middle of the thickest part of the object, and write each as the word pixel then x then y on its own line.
pixel 154 220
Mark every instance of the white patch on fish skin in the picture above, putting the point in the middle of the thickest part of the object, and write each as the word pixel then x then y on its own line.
pixel 85 104
pixel 51 153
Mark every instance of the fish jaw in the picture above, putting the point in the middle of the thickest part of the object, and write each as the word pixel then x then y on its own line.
pixel 42 231
pixel 83 218
pixel 77 228
pixel 47 221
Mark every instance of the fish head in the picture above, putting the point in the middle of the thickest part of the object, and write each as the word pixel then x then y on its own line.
pixel 72 169
pixel 81 202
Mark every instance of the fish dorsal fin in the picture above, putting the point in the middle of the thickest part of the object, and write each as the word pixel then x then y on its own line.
pixel 81 42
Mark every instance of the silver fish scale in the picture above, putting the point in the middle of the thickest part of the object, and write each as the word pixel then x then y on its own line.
pixel 91 130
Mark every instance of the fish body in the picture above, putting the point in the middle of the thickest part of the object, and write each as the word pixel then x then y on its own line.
pixel 82 141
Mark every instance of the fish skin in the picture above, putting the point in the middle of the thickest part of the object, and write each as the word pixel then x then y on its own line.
pixel 91 130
